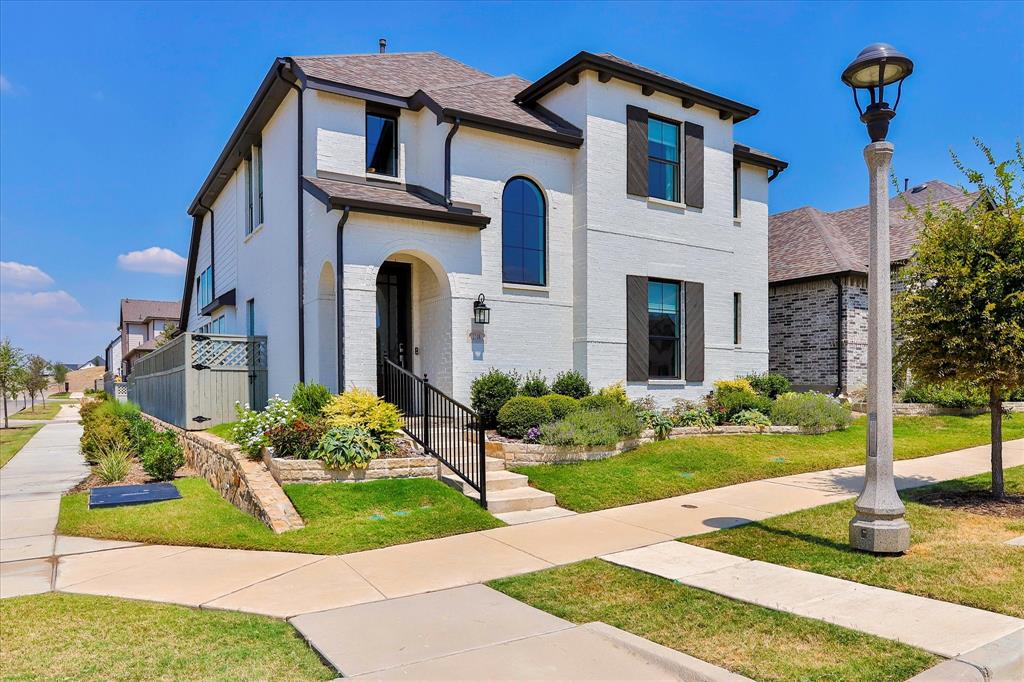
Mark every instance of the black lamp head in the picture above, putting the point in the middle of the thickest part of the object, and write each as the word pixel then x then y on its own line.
pixel 877 66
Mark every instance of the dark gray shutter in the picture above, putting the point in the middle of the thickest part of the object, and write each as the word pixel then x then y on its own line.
pixel 636 151
pixel 694 331
pixel 637 334
pixel 693 173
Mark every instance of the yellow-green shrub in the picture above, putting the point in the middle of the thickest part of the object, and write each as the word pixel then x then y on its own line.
pixel 734 386
pixel 357 407
pixel 616 392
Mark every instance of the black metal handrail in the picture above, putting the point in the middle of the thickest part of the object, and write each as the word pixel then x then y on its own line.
pixel 443 427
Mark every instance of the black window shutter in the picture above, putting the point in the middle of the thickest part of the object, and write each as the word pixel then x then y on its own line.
pixel 636 151
pixel 693 173
pixel 694 331
pixel 637 334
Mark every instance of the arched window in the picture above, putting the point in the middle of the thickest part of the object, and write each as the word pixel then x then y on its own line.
pixel 523 233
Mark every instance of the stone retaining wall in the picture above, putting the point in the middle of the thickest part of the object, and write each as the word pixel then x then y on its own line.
pixel 926 410
pixel 535 453
pixel 286 470
pixel 243 482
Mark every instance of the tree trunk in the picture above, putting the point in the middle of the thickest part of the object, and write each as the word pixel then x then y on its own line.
pixel 4 397
pixel 995 404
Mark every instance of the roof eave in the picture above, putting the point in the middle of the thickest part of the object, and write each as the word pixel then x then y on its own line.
pixel 569 71
pixel 381 208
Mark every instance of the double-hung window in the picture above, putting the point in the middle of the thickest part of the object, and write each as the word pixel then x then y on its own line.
pixel 204 288
pixel 663 320
pixel 663 159
pixel 381 144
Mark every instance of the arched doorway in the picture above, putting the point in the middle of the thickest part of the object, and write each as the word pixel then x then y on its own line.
pixel 327 331
pixel 414 316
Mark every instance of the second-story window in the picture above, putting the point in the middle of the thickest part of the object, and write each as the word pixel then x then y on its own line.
pixel 381 144
pixel 523 234
pixel 204 288
pixel 254 189
pixel 663 159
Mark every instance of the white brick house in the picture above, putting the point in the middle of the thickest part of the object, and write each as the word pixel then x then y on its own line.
pixel 541 196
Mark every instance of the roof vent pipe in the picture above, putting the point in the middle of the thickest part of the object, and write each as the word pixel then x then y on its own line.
pixel 383 43
pixel 906 182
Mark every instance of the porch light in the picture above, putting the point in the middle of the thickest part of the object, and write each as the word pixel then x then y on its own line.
pixel 481 313
pixel 877 66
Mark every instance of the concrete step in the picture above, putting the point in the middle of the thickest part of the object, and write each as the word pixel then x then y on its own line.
pixel 496 480
pixel 517 499
pixel 495 463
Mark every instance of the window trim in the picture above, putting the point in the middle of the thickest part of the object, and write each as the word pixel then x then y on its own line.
pixel 250 317
pixel 737 197
pixel 249 224
pixel 737 318
pixel 200 303
pixel 544 238
pixel 678 338
pixel 257 155
pixel 379 113
pixel 678 163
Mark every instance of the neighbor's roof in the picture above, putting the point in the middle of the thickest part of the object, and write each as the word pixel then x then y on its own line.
pixel 806 242
pixel 136 310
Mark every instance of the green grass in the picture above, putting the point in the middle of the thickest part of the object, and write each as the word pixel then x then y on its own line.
pixel 339 517
pixel 12 440
pixel 222 430
pixel 76 637
pixel 955 556
pixel 63 394
pixel 39 411
pixel 747 639
pixel 690 464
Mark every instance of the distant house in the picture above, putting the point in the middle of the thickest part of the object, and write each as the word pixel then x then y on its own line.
pixel 140 326
pixel 817 286
pixel 112 357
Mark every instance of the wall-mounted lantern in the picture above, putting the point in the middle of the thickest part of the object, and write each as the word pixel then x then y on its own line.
pixel 481 313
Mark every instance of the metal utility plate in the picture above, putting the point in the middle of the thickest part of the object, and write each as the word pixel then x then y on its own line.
pixel 120 495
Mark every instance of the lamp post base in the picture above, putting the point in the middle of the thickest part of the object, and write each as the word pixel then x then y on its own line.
pixel 879 534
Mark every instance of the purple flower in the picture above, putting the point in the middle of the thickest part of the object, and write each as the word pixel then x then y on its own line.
pixel 532 435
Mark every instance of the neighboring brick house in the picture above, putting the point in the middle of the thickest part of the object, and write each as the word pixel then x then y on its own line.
pixel 140 327
pixel 817 294
pixel 604 210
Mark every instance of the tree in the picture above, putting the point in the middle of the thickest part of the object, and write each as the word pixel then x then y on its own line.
pixel 60 374
pixel 961 316
pixel 38 377
pixel 165 336
pixel 11 359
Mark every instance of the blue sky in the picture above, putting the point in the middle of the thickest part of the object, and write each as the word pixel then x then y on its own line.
pixel 112 114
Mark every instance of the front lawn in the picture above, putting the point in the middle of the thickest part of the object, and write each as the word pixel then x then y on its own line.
pixel 222 430
pixel 744 638
pixel 339 517
pixel 39 411
pixel 956 556
pixel 75 637
pixel 689 464
pixel 12 440
pixel 62 394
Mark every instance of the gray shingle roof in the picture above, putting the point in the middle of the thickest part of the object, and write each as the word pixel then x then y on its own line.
pixel 806 242
pixel 408 201
pixel 137 310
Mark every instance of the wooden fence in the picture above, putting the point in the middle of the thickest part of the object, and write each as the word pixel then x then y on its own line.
pixel 195 380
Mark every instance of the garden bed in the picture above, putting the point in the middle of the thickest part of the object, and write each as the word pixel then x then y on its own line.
pixel 287 470
pixel 925 410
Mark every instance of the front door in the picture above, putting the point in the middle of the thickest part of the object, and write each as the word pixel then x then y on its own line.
pixel 394 314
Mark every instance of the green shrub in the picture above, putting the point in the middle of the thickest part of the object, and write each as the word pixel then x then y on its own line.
pixel 812 412
pixel 250 429
pixel 113 465
pixel 752 418
pixel 162 456
pixel 661 424
pixel 596 402
pixel 522 413
pixel 735 402
pixel 360 408
pixel 592 428
pixel 110 425
pixel 297 438
pixel 616 392
pixel 768 384
pixel 949 394
pixel 698 416
pixel 490 391
pixel 534 386
pixel 572 384
pixel 310 399
pixel 561 405
pixel 347 446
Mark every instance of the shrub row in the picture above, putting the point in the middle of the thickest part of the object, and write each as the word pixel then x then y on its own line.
pixel 490 391
pixel 115 433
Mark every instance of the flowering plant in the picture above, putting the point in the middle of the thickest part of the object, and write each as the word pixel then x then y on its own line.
pixel 532 435
pixel 250 430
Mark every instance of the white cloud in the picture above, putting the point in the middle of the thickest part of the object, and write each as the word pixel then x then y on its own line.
pixel 155 259
pixel 39 304
pixel 5 85
pixel 23 276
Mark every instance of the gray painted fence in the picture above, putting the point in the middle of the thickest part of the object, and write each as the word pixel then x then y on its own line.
pixel 195 380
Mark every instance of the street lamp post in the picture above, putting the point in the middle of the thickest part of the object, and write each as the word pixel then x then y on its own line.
pixel 878 525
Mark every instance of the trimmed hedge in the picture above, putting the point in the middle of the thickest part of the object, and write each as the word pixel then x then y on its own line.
pixel 490 391
pixel 520 414
pixel 561 405
pixel 572 384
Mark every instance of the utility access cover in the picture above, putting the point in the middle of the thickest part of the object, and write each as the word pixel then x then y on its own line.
pixel 120 495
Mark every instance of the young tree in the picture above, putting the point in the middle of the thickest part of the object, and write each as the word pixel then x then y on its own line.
pixel 961 316
pixel 11 359
pixel 165 336
pixel 38 379
pixel 60 374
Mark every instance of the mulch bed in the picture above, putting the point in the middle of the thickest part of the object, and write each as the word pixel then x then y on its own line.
pixel 976 502
pixel 137 475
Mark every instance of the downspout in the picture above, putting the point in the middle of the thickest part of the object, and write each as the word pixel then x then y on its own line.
pixel 839 334
pixel 448 160
pixel 300 236
pixel 339 260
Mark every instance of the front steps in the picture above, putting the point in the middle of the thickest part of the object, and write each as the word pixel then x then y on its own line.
pixel 506 491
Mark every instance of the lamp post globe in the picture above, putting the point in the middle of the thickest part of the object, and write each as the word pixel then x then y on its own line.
pixel 878 525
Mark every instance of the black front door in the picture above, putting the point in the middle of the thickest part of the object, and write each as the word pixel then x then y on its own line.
pixel 393 315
